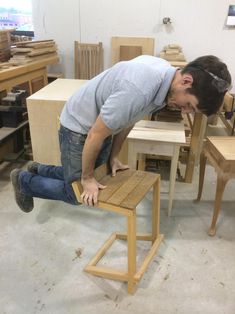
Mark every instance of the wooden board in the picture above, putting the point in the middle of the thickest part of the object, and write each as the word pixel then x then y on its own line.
pixel 124 189
pixel 224 147
pixel 146 43
pixel 158 131
pixel 129 52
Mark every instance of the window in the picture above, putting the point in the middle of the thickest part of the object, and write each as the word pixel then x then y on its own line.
pixel 16 14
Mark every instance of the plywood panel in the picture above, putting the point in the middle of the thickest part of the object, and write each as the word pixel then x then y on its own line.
pixel 146 43
pixel 129 52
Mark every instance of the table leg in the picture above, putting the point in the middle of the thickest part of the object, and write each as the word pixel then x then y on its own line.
pixel 174 163
pixel 203 159
pixel 221 183
pixel 156 211
pixel 132 156
pixel 141 162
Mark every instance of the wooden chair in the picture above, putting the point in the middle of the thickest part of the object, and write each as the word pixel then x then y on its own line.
pixel 122 194
pixel 88 60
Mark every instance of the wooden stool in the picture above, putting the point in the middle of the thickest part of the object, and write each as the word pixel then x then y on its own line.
pixel 159 138
pixel 122 194
pixel 220 151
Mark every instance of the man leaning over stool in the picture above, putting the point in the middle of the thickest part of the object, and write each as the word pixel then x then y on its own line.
pixel 98 117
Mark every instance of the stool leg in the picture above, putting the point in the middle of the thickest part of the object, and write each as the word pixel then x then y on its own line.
pixel 221 183
pixel 203 159
pixel 131 240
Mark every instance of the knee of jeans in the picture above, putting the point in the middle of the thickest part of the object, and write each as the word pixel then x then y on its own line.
pixel 71 195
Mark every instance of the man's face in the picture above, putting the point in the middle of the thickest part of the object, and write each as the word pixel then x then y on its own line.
pixel 179 99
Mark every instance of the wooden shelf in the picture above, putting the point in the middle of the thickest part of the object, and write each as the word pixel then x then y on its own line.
pixel 6 132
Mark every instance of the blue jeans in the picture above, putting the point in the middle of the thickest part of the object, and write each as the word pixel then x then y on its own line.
pixel 54 182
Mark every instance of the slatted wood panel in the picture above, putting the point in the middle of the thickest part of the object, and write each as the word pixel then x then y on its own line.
pixel 124 190
pixel 88 60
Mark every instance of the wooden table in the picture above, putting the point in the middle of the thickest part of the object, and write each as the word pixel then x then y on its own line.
pixel 44 108
pixel 159 138
pixel 220 151
pixel 33 73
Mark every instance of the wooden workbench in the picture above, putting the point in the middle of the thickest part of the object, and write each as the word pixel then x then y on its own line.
pixel 32 76
pixel 33 73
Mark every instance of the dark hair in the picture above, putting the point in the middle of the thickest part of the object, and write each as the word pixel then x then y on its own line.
pixel 211 80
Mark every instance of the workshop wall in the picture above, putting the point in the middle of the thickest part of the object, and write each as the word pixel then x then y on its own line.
pixel 198 26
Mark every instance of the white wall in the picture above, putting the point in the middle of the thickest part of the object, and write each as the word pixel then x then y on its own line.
pixel 198 26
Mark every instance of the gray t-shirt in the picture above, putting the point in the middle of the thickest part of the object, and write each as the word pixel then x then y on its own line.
pixel 122 95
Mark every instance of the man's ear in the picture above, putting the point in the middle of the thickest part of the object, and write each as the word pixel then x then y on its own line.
pixel 187 79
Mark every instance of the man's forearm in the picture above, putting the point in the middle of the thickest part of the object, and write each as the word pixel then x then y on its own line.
pixel 91 150
pixel 118 140
pixel 92 147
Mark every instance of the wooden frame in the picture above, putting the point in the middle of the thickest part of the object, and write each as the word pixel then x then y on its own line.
pixel 123 193
pixel 88 60
pixel 146 43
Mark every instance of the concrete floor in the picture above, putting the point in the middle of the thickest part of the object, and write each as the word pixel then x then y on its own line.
pixel 43 254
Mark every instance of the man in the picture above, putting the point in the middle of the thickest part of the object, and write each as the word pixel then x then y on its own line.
pixel 96 120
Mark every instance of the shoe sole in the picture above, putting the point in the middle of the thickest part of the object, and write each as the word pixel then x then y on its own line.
pixel 14 176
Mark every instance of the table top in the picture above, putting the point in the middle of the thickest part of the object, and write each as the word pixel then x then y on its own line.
pixel 167 132
pixel 58 90
pixel 25 68
pixel 223 146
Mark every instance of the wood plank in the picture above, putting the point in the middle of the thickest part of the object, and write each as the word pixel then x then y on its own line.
pixel 158 131
pixel 137 194
pixel 113 183
pixel 105 272
pixel 32 42
pixel 26 68
pixel 225 146
pixel 126 188
pixel 146 43
pixel 129 52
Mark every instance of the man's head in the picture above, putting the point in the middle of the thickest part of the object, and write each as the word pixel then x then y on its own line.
pixel 200 86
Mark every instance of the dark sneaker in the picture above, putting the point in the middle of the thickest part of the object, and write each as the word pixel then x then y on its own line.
pixel 33 167
pixel 23 201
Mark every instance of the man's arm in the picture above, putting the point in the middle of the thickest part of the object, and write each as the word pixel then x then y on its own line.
pixel 92 147
pixel 118 141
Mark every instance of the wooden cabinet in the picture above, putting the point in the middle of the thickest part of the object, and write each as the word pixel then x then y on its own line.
pixel 44 108
pixel 30 77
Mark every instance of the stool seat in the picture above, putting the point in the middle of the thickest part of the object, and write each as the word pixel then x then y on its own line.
pixel 122 195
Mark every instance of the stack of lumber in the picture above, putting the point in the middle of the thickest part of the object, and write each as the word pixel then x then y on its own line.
pixel 5 45
pixel 172 52
pixel 28 51
pixel 17 38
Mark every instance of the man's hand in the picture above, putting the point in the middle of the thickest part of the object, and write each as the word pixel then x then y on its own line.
pixel 90 192
pixel 116 165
